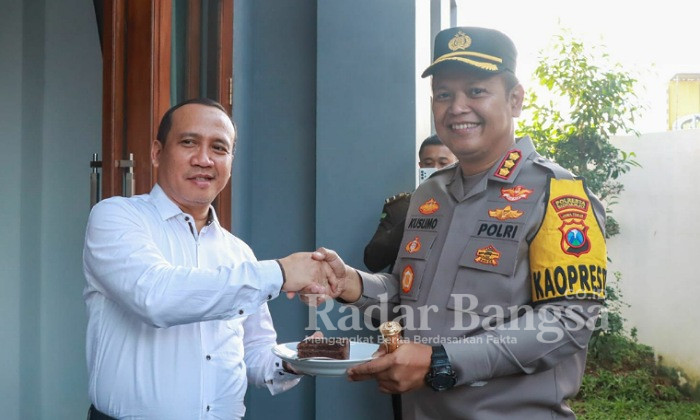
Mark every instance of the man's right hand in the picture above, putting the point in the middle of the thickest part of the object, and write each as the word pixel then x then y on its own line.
pixel 301 271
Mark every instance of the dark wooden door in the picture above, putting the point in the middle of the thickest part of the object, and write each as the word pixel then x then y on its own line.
pixel 145 43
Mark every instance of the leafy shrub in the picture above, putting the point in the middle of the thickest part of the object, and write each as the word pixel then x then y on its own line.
pixel 594 99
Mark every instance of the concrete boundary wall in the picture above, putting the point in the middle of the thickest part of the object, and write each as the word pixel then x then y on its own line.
pixel 657 250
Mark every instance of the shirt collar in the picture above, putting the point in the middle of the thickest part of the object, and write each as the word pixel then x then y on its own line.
pixel 167 208
pixel 505 170
pixel 456 185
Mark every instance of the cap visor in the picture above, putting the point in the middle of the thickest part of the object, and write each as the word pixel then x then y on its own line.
pixel 468 65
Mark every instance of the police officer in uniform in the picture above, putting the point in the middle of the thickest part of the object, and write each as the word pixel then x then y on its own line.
pixel 382 249
pixel 502 267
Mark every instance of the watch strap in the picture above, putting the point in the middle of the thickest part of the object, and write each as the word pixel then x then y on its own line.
pixel 439 357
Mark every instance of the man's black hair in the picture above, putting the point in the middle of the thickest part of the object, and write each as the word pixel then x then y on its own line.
pixel 433 140
pixel 167 121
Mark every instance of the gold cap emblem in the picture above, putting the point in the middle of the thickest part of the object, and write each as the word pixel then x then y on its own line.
pixel 460 41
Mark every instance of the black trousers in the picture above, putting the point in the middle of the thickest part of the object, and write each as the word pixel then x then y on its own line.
pixel 93 414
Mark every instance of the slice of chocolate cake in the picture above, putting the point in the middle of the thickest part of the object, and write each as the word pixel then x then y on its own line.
pixel 331 347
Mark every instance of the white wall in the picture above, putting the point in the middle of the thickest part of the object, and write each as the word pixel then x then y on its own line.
pixel 657 251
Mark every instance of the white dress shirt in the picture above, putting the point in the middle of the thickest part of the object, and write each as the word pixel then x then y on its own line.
pixel 177 320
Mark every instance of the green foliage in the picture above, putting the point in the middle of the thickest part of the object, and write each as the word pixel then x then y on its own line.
pixel 610 327
pixel 590 100
pixel 623 377
pixel 605 409
pixel 583 101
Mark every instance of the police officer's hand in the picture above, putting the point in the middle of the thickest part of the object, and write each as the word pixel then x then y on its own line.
pixel 343 280
pixel 311 298
pixel 400 371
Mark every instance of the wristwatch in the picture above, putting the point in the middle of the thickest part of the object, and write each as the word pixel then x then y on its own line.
pixel 440 376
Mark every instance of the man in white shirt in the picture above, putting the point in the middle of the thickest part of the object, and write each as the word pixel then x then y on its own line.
pixel 178 321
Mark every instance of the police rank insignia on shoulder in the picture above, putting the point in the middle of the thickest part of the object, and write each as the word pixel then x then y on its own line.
pixel 568 255
pixel 396 197
pixel 508 164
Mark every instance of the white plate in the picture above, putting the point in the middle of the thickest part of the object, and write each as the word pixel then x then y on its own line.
pixel 359 353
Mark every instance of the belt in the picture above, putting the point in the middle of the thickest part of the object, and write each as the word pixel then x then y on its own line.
pixel 94 414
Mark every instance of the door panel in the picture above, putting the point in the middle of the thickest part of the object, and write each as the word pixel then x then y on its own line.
pixel 142 78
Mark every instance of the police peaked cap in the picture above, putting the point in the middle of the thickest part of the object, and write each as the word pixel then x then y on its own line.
pixel 481 49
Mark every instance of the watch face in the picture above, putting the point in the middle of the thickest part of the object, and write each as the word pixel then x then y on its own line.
pixel 442 380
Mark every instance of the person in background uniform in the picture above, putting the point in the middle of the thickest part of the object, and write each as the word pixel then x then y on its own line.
pixel 382 249
pixel 502 266
pixel 178 321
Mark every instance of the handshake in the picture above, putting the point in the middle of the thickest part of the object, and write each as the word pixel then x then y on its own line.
pixel 319 275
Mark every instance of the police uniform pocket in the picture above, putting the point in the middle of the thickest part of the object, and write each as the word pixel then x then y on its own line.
pixel 484 282
pixel 412 261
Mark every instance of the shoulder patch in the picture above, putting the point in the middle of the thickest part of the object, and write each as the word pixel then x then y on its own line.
pixel 568 257
pixel 397 197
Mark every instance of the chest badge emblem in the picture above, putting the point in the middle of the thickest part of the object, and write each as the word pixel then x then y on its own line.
pixel 429 207
pixel 488 255
pixel 413 246
pixel 505 213
pixel 516 193
pixel 407 279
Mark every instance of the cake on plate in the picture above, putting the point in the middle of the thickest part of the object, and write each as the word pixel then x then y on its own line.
pixel 331 347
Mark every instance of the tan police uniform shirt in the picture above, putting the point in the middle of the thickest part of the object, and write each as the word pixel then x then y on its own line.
pixel 508 278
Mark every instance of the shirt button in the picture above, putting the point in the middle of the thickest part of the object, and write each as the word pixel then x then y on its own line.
pixel 207 408
pixel 208 357
pixel 187 219
pixel 269 297
pixel 240 312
